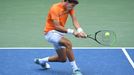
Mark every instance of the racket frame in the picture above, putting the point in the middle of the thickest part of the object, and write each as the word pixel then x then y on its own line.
pixel 95 36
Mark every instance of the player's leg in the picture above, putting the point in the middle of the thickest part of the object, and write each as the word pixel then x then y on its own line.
pixel 62 53
pixel 58 40
pixel 60 57
pixel 54 38
pixel 65 42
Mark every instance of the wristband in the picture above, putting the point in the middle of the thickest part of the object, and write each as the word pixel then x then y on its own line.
pixel 70 31
pixel 79 30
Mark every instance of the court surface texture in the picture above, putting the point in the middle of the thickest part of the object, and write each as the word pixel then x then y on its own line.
pixel 92 61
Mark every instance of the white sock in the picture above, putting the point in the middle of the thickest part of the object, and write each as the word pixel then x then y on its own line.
pixel 43 60
pixel 74 66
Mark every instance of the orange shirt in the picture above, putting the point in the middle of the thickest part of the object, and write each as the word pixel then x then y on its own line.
pixel 57 12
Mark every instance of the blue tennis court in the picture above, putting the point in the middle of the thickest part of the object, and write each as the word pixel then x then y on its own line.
pixel 92 61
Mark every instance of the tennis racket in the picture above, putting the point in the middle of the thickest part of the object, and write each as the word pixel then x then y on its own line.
pixel 104 37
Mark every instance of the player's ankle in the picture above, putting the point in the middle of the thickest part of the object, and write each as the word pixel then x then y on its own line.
pixel 46 59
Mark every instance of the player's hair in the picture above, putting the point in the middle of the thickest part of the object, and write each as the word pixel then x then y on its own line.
pixel 72 1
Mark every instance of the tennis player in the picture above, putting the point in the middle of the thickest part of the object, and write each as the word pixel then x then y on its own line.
pixel 55 30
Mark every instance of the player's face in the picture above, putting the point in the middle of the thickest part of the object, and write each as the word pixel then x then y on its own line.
pixel 70 6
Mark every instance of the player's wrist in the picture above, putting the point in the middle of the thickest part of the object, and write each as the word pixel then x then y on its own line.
pixel 79 30
pixel 70 31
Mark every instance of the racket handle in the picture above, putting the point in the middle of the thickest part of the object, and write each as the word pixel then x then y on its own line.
pixel 88 36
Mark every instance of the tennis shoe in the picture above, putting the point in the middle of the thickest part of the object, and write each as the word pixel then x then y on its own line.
pixel 44 65
pixel 77 72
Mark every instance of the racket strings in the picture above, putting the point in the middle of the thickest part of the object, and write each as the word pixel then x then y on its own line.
pixel 106 40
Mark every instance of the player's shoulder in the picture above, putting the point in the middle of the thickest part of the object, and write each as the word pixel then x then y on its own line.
pixel 56 6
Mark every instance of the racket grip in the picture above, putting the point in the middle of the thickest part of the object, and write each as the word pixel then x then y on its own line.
pixel 88 36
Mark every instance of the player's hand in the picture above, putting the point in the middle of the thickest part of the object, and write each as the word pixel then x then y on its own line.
pixel 76 34
pixel 82 35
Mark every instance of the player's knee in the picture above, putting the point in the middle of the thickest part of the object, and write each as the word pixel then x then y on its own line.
pixel 68 44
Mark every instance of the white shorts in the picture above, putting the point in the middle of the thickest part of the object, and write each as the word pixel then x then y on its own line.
pixel 54 38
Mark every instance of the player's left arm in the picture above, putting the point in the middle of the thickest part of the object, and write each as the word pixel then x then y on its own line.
pixel 77 26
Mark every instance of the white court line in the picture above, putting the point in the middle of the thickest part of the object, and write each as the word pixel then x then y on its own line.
pixel 73 48
pixel 128 57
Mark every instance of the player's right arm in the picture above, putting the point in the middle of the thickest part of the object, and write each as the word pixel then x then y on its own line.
pixel 58 27
pixel 54 12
